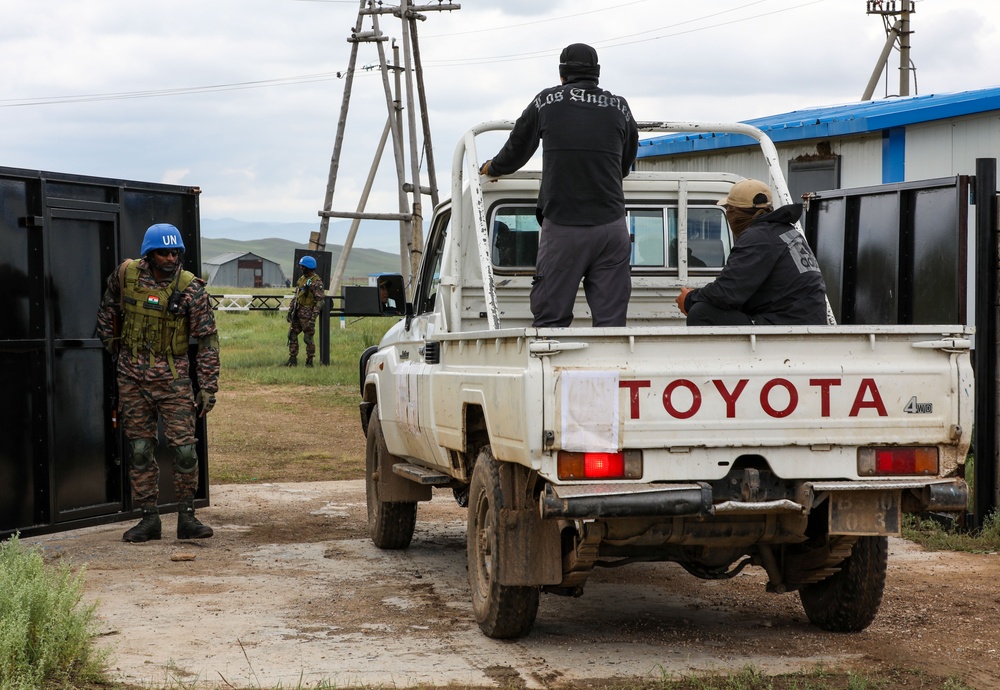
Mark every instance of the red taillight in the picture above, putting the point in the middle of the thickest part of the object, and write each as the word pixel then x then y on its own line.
pixel 623 465
pixel 604 465
pixel 902 460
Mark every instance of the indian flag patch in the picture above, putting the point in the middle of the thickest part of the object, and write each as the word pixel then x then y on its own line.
pixel 153 300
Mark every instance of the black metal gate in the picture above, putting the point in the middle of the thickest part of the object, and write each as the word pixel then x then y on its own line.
pixel 61 456
pixel 898 254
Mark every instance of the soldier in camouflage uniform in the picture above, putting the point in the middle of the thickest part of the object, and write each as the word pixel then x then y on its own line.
pixel 150 309
pixel 302 312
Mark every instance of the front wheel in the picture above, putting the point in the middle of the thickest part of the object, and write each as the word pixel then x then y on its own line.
pixel 502 611
pixel 848 600
pixel 390 524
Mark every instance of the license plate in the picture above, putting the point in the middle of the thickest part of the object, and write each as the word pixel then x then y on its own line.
pixel 865 513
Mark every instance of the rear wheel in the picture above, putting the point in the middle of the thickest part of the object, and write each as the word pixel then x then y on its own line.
pixel 848 600
pixel 502 611
pixel 390 525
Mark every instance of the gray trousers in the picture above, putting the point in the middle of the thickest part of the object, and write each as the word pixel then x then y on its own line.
pixel 597 254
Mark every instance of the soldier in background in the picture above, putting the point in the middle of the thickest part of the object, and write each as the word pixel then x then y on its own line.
pixel 150 309
pixel 302 312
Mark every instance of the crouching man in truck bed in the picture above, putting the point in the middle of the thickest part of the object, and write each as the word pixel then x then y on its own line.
pixel 771 276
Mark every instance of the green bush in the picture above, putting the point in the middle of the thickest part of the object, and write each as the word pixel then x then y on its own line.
pixel 933 535
pixel 46 635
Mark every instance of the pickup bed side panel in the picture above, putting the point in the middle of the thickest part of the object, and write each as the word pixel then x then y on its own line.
pixel 498 375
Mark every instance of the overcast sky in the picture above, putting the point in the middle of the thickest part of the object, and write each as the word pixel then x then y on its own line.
pixel 241 97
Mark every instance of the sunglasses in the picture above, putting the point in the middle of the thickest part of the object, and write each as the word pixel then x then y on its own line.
pixel 167 252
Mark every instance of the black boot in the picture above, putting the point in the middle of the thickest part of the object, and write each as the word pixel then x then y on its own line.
pixel 148 527
pixel 309 362
pixel 292 361
pixel 188 526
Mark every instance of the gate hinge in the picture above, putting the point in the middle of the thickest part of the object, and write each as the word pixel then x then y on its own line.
pixel 31 221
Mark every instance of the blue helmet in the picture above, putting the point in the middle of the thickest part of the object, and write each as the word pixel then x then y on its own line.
pixel 161 236
pixel 308 262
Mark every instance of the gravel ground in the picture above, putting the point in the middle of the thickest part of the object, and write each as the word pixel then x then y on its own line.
pixel 291 592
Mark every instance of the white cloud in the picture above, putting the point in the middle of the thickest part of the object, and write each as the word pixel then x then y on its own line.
pixel 175 176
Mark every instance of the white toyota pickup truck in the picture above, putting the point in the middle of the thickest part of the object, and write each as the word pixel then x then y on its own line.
pixel 791 448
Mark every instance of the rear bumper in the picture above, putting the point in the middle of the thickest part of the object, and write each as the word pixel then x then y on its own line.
pixel 595 501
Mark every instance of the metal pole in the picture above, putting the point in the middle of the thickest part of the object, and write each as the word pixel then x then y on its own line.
pixel 417 221
pixel 324 223
pixel 397 152
pixel 890 41
pixel 338 273
pixel 424 118
pixel 404 228
pixel 987 447
pixel 904 50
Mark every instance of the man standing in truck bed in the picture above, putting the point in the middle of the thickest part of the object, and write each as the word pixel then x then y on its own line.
pixel 589 142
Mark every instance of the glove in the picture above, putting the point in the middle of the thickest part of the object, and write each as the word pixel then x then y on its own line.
pixel 205 401
pixel 485 169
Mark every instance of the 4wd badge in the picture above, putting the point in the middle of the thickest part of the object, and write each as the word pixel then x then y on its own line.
pixel 914 407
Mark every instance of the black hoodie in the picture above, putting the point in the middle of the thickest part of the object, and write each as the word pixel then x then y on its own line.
pixel 589 141
pixel 771 274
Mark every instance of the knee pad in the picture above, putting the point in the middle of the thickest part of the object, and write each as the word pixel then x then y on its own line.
pixel 142 453
pixel 186 459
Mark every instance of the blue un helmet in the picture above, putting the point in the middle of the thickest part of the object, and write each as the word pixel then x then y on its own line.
pixel 161 236
pixel 308 262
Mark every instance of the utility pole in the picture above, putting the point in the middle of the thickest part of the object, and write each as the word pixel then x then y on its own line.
pixel 898 32
pixel 409 215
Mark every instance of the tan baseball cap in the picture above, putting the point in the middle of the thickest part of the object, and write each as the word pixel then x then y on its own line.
pixel 748 194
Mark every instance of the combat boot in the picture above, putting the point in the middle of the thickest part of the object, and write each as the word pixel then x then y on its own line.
pixel 292 361
pixel 188 526
pixel 148 528
pixel 309 362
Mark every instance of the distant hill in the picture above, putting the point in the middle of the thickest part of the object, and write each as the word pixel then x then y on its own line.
pixel 372 234
pixel 360 263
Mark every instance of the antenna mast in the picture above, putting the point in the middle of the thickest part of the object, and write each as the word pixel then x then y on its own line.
pixel 898 32
pixel 410 217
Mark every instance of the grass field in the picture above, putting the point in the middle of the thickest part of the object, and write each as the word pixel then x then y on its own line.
pixel 277 423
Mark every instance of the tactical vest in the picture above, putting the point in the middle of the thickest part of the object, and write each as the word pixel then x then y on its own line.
pixel 147 324
pixel 305 296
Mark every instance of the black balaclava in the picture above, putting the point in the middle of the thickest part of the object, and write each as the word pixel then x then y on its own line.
pixel 742 218
pixel 578 62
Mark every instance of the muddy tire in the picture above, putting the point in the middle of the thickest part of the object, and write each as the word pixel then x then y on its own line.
pixel 502 611
pixel 848 600
pixel 390 525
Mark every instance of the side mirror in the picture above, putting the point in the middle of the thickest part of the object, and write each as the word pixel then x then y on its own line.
pixel 391 295
pixel 386 298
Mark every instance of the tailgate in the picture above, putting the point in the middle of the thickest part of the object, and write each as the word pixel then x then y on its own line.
pixel 804 398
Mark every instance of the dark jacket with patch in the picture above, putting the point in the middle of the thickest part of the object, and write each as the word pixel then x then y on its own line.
pixel 589 142
pixel 771 274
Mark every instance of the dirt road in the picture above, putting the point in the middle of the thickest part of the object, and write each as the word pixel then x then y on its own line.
pixel 291 591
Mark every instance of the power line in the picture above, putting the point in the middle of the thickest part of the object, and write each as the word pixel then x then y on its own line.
pixel 156 93
pixel 538 21
pixel 609 42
